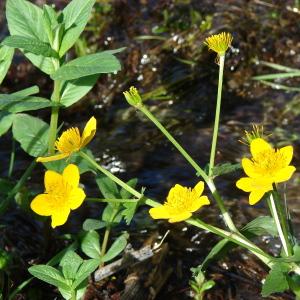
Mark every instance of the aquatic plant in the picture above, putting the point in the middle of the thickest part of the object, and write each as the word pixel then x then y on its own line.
pixel 45 36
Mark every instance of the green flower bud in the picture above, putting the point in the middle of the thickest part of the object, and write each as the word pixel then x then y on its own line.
pixel 133 97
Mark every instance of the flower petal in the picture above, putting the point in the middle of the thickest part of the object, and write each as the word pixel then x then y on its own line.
pixel 181 217
pixel 198 203
pixel 71 175
pixel 159 212
pixel 255 196
pixel 89 131
pixel 199 187
pixel 53 157
pixel 41 205
pixel 60 217
pixel 287 152
pixel 254 184
pixel 248 167
pixel 174 191
pixel 51 179
pixel 258 145
pixel 76 198
pixel 284 174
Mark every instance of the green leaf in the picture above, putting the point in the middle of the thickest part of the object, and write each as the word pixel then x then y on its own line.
pixel 26 19
pixel 87 268
pixel 124 193
pixel 207 285
pixel 75 17
pixel 225 169
pixel 108 188
pixel 49 21
pixel 6 120
pixel 70 264
pixel 74 90
pixel 48 274
pixel 276 280
pixel 59 256
pixel 218 250
pixel 116 248
pixel 31 133
pixel 110 210
pixel 93 224
pixel 6 55
pixel 91 64
pixel 263 225
pixel 90 245
pixel 26 92
pixel 277 76
pixel 29 44
pixel 26 104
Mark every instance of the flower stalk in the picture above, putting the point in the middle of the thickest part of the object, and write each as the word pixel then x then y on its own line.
pixel 54 117
pixel 280 221
pixel 217 116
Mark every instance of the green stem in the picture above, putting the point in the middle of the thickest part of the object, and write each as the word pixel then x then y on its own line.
pixel 4 204
pixel 280 221
pixel 54 117
pixel 235 238
pixel 12 158
pixel 112 200
pixel 118 181
pixel 198 169
pixel 73 296
pixel 217 117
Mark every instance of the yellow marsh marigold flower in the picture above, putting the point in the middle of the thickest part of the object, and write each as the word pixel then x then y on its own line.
pixel 267 166
pixel 62 195
pixel 71 141
pixel 181 203
pixel 219 42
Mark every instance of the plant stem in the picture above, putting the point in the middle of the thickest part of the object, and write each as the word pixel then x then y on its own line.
pixel 4 204
pixel 199 170
pixel 234 237
pixel 112 200
pixel 217 117
pixel 54 117
pixel 278 216
pixel 73 296
pixel 118 181
pixel 12 158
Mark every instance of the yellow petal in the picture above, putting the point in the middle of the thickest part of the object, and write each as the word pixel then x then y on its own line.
pixel 181 217
pixel 199 202
pixel 254 184
pixel 248 167
pixel 51 179
pixel 255 196
pixel 159 212
pixel 287 152
pixel 175 190
pixel 284 174
pixel 53 157
pixel 258 145
pixel 89 131
pixel 71 175
pixel 60 217
pixel 41 205
pixel 76 198
pixel 199 187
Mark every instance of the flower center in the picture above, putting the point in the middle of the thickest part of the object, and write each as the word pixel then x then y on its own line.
pixel 69 141
pixel 268 162
pixel 181 201
pixel 59 192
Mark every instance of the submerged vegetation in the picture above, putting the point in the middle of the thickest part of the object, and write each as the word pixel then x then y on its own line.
pixel 85 261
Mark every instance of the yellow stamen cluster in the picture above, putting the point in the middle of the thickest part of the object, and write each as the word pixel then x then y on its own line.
pixel 219 42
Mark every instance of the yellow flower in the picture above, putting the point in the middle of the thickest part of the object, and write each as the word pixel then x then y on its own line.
pixel 62 195
pixel 71 141
pixel 267 166
pixel 219 42
pixel 181 203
